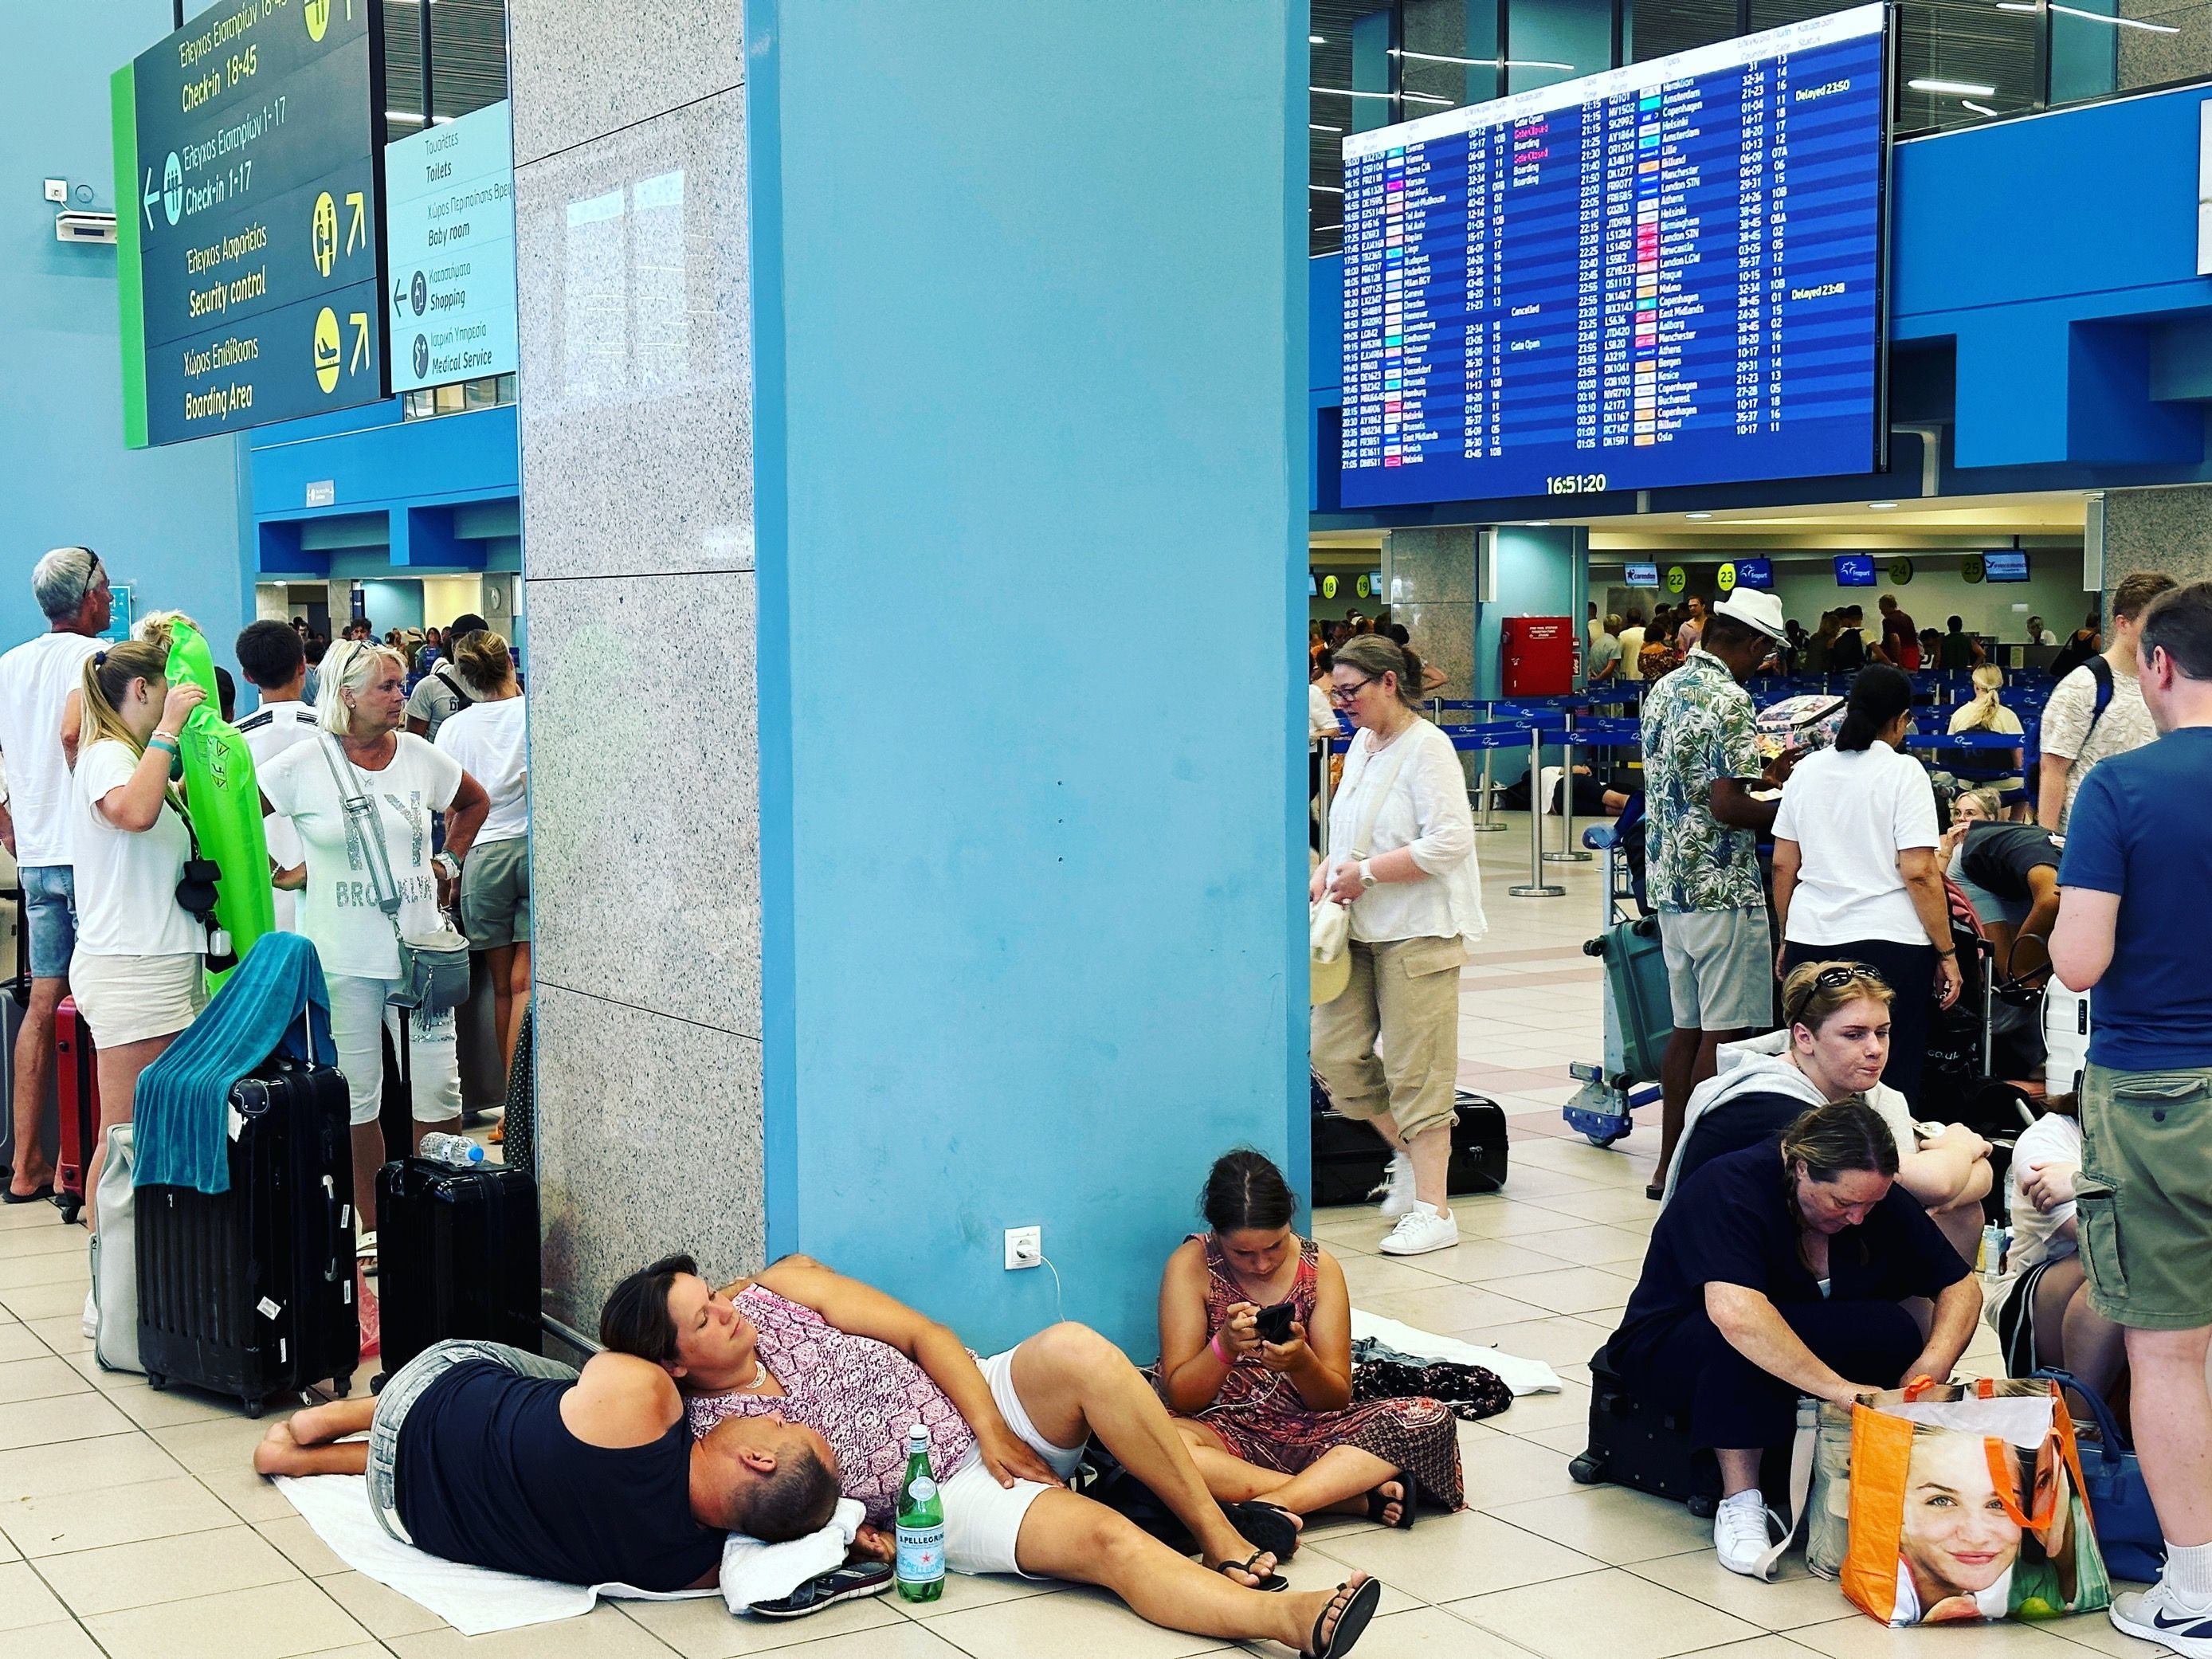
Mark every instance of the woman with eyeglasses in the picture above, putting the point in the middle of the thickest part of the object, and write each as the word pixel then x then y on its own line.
pixel 1782 1271
pixel 1857 873
pixel 1387 1048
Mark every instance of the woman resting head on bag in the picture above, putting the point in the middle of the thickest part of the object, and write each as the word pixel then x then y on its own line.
pixel 137 974
pixel 1778 1270
pixel 361 753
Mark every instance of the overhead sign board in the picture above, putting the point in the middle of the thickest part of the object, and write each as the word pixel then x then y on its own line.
pixel 449 217
pixel 249 227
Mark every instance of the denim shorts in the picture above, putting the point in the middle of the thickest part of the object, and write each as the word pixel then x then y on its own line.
pixel 405 1387
pixel 49 914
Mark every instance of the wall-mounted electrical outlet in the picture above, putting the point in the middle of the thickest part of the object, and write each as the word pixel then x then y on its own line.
pixel 1024 1248
pixel 58 189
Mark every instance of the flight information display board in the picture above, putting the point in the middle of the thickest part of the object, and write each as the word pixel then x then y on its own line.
pixel 1668 274
pixel 249 232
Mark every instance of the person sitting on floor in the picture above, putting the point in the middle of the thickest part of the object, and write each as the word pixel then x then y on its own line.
pixel 482 1454
pixel 1273 1419
pixel 2009 874
pixel 842 1371
pixel 1780 1271
pixel 2041 1312
pixel 1833 1048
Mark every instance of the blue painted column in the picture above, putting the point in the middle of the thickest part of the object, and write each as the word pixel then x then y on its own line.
pixel 1029 388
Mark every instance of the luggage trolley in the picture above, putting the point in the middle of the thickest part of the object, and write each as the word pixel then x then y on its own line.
pixel 1638 1017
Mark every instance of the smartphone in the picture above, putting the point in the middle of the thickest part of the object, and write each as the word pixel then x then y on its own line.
pixel 1275 1322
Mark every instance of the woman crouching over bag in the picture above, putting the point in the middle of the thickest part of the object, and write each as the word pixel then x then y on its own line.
pixel 395 781
pixel 137 971
pixel 1777 1271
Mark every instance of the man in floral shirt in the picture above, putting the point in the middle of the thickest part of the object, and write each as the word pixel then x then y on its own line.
pixel 1701 763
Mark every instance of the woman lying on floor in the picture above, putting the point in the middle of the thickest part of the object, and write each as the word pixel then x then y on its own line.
pixel 1273 1419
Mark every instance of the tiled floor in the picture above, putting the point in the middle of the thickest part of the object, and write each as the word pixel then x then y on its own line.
pixel 132 1525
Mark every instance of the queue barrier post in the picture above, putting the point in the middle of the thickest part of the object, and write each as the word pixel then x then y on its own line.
pixel 1485 822
pixel 1327 754
pixel 1567 852
pixel 1536 886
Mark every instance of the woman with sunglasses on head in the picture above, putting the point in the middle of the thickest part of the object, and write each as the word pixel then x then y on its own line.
pixel 1836 1036
pixel 137 974
pixel 1782 1271
pixel 1856 870
pixel 1388 1046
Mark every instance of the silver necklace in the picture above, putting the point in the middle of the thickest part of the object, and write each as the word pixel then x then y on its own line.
pixel 759 1376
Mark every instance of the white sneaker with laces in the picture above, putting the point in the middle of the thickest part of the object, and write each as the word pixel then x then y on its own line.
pixel 1396 1189
pixel 1420 1231
pixel 89 1324
pixel 1740 1532
pixel 2157 1615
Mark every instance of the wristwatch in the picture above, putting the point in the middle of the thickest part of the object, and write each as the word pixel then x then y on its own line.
pixel 449 864
pixel 1366 874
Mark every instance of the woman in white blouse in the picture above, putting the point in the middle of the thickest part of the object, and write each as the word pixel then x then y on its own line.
pixel 1416 899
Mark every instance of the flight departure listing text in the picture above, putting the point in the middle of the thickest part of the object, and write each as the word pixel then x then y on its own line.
pixel 1667 274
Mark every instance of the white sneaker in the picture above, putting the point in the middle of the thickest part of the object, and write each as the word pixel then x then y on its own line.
pixel 90 1324
pixel 1396 1189
pixel 2158 1615
pixel 1419 1231
pixel 1740 1532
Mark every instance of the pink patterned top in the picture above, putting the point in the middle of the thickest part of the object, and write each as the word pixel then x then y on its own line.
pixel 860 1394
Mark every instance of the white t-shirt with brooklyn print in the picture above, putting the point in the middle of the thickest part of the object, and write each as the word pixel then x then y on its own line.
pixel 339 914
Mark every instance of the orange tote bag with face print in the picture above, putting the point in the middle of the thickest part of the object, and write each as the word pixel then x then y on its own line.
pixel 1966 1504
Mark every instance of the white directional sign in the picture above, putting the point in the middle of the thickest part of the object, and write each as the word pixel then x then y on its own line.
pixel 449 219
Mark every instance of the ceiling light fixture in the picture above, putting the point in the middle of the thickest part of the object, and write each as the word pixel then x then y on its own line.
pixel 1388 97
pixel 1479 63
pixel 1880 507
pixel 1327 190
pixel 1316 126
pixel 1979 109
pixel 1315 40
pixel 1956 88
pixel 1697 515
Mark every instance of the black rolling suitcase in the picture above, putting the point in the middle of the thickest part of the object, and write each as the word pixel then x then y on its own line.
pixel 250 1292
pixel 457 1256
pixel 1635 1444
pixel 1349 1157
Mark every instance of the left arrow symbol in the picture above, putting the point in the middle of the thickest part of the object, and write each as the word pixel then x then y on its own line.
pixel 399 298
pixel 151 196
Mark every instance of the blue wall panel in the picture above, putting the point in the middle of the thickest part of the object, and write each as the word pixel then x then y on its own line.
pixel 1029 385
pixel 169 522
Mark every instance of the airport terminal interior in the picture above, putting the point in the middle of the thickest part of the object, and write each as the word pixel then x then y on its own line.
pixel 684 692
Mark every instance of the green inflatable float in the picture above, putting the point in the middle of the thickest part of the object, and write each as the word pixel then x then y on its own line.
pixel 224 797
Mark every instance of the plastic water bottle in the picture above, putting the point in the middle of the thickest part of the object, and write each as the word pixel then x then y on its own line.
pixel 1993 1247
pixel 457 1149
pixel 920 1524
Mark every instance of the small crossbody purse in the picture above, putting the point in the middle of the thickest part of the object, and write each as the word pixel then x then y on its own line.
pixel 434 970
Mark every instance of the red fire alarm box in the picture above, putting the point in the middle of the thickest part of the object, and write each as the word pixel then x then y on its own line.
pixel 1538 656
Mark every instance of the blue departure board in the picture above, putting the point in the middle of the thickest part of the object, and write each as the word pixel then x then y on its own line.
pixel 1668 274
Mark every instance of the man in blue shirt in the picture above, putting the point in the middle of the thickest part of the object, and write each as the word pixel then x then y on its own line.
pixel 2135 878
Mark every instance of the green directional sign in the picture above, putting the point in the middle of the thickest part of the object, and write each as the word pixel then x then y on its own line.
pixel 250 223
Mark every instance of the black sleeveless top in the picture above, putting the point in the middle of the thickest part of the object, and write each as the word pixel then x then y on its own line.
pixel 487 1473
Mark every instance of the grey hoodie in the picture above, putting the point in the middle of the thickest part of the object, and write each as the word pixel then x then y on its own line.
pixel 1760 1065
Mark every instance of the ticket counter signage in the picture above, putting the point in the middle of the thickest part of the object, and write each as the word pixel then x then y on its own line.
pixel 449 216
pixel 249 221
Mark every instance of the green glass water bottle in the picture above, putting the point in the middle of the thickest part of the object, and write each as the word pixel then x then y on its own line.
pixel 920 1525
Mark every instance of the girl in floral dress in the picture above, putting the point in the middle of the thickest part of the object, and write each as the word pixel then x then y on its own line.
pixel 1275 1420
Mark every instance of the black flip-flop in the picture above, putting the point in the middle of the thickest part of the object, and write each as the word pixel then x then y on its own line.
pixel 1350 1623
pixel 1376 1503
pixel 11 1196
pixel 1267 1526
pixel 1271 1583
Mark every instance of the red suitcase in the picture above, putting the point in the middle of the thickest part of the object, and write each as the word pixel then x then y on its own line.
pixel 76 1081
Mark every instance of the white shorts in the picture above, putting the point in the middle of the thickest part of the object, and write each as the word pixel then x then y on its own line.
pixel 359 1017
pixel 983 1519
pixel 132 999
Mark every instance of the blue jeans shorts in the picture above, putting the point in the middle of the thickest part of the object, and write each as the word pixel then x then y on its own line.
pixel 49 913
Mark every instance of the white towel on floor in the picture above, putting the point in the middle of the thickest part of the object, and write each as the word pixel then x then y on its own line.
pixel 477 1601
pixel 1522 1375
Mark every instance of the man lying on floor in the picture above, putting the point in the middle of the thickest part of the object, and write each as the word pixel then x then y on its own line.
pixel 834 1372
